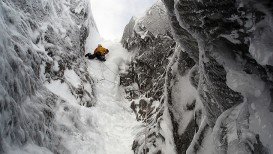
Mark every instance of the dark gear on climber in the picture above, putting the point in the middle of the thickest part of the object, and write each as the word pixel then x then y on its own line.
pixel 99 52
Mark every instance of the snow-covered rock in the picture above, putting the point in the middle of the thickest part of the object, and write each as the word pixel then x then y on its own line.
pixel 218 82
pixel 150 40
pixel 42 70
pixel 152 25
pixel 229 70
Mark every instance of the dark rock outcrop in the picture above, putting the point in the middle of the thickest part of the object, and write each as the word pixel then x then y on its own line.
pixel 218 83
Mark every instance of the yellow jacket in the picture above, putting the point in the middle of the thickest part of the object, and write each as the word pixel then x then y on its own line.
pixel 101 51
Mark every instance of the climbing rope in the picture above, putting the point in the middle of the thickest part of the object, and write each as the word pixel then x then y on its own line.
pixel 102 72
pixel 146 115
pixel 110 69
pixel 146 111
pixel 112 82
pixel 114 101
pixel 103 79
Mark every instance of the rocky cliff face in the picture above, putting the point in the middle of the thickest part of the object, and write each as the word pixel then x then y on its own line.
pixel 218 77
pixel 150 40
pixel 42 42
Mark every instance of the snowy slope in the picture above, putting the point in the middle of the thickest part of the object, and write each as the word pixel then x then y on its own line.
pixel 107 127
pixel 114 118
pixel 42 72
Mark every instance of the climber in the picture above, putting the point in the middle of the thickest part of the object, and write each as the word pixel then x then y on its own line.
pixel 99 52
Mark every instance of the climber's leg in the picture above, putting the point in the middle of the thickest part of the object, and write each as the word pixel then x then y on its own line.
pixel 90 56
pixel 101 58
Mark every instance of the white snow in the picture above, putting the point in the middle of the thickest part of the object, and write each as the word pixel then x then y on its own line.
pixel 183 94
pixel 155 20
pixel 29 149
pixel 94 37
pixel 72 77
pixel 258 99
pixel 45 123
pixel 62 90
pixel 56 66
pixel 109 126
pixel 244 83
pixel 166 124
pixel 261 44
pixel 115 122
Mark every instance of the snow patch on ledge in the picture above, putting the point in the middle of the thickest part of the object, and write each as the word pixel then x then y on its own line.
pixel 246 84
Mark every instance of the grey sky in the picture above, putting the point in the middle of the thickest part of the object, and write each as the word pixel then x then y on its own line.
pixel 112 16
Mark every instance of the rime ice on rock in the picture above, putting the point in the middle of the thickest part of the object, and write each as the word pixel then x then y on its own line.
pixel 41 43
pixel 218 83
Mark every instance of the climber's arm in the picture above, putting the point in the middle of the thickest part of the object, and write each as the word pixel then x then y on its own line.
pixel 95 51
